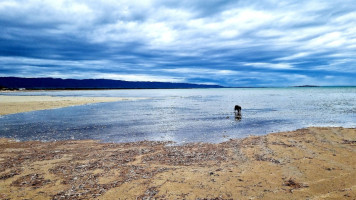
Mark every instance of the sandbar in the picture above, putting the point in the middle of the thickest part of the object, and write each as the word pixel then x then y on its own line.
pixel 16 104
pixel 310 163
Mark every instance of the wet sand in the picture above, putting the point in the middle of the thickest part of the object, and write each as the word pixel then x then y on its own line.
pixel 311 163
pixel 17 104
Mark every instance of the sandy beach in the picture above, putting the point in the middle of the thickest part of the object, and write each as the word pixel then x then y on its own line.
pixel 16 104
pixel 311 163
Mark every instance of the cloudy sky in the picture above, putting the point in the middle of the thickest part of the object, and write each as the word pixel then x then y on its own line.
pixel 231 43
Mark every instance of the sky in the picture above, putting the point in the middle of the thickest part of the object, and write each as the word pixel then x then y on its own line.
pixel 230 43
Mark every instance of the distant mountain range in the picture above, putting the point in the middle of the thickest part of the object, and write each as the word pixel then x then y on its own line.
pixel 57 83
pixel 306 86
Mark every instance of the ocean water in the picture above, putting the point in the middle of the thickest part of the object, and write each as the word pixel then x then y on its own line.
pixel 187 115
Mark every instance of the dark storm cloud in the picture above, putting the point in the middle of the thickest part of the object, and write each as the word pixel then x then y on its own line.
pixel 233 43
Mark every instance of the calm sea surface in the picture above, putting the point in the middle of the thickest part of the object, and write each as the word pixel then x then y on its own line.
pixel 189 115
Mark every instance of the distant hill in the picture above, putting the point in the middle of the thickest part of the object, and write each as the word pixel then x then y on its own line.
pixel 57 83
pixel 306 86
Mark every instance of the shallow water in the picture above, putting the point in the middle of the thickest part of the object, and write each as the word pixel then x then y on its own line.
pixel 188 115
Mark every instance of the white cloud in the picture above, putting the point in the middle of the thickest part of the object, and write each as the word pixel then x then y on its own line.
pixel 8 5
pixel 333 39
pixel 346 18
pixel 176 40
pixel 270 65
pixel 137 77
pixel 201 71
pixel 295 56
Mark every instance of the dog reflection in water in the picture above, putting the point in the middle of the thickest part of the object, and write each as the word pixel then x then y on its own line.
pixel 237 113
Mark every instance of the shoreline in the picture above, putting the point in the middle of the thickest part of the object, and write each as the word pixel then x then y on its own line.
pixel 309 163
pixel 17 104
